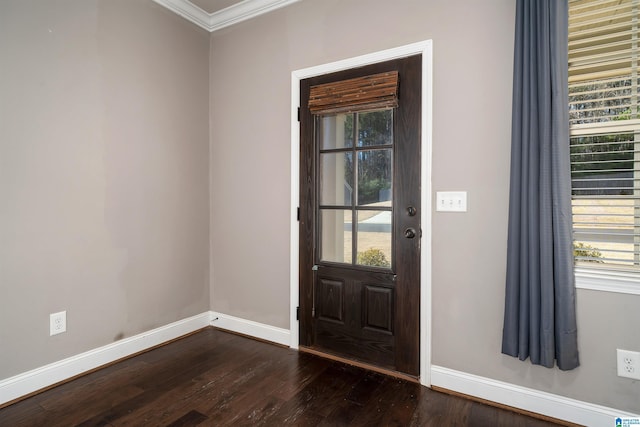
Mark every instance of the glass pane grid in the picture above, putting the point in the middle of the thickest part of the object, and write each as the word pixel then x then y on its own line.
pixel 355 181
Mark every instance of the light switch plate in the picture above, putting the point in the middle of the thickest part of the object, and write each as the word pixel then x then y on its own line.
pixel 451 201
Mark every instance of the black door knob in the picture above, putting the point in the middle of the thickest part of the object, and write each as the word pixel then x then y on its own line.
pixel 409 233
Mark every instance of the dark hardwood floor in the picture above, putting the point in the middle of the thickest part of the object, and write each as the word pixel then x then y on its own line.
pixel 214 378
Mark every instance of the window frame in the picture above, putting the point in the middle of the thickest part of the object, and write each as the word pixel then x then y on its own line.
pixel 609 277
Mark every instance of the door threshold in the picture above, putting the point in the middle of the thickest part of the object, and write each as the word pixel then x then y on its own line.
pixel 359 364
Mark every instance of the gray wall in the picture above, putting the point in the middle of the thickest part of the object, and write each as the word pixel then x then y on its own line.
pixel 104 195
pixel 251 66
pixel 104 198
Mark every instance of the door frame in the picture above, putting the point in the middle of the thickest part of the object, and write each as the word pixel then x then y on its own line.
pixel 426 50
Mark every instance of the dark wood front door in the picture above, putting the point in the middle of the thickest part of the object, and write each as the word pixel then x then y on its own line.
pixel 360 225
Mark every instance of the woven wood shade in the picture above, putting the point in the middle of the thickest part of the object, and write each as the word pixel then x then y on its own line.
pixel 362 93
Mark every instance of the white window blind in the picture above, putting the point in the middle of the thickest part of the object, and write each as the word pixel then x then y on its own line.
pixel 605 131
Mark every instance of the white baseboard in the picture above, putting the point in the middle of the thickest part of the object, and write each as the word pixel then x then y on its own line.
pixel 45 376
pixel 540 402
pixel 251 328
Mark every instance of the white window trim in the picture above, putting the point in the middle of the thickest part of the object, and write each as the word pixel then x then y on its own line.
pixel 607 280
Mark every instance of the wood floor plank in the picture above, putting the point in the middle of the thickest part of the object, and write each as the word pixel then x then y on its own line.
pixel 191 418
pixel 160 379
pixel 436 409
pixel 304 369
pixel 395 404
pixel 362 392
pixel 99 395
pixel 259 413
pixel 347 399
pixel 212 379
pixel 242 406
pixel 217 378
pixel 21 415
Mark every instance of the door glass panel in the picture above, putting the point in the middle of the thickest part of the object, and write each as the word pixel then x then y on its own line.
pixel 336 179
pixel 374 238
pixel 343 166
pixel 335 235
pixel 335 131
pixel 374 177
pixel 375 128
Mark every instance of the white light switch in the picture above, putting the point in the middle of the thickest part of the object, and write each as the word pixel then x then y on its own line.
pixel 451 201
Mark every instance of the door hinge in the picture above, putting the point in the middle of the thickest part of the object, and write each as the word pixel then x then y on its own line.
pixel 297 313
pixel 298 213
pixel 298 113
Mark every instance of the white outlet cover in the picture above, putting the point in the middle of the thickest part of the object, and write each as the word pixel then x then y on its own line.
pixel 628 364
pixel 57 323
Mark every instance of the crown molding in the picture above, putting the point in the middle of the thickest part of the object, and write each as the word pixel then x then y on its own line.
pixel 211 22
pixel 188 11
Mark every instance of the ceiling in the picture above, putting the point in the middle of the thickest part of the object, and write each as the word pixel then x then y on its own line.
pixel 213 15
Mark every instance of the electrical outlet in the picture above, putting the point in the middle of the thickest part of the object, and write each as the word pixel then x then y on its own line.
pixel 57 323
pixel 629 364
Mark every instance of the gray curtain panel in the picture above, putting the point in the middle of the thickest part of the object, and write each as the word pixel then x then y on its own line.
pixel 540 314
